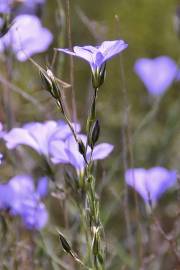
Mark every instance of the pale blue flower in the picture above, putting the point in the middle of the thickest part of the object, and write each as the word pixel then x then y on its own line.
pixel 151 183
pixel 20 197
pixel 42 187
pixel 157 74
pixel 68 152
pixel 6 6
pixel 2 133
pixel 38 135
pixel 5 196
pixel 26 37
pixel 96 56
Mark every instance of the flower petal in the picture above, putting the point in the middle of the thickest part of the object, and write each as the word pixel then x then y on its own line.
pixel 34 214
pixel 18 136
pixel 110 48
pixel 29 37
pixel 102 150
pixel 58 152
pixel 63 130
pixel 75 158
pixel 26 37
pixel 152 183
pixel 42 187
pixel 22 186
pixel 157 74
pixel 159 180
pixel 42 134
pixel 84 53
pixel 6 195
pixel 136 178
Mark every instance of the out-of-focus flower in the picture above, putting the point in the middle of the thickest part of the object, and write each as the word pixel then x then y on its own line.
pixel 68 152
pixel 33 2
pixel 2 133
pixel 157 74
pixel 1 158
pixel 21 198
pixel 97 56
pixel 1 130
pixel 38 135
pixel 151 183
pixel 34 214
pixel 5 196
pixel 6 6
pixel 28 7
pixel 26 37
pixel 42 187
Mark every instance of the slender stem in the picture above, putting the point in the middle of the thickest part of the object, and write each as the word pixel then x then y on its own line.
pixel 91 200
pixel 91 203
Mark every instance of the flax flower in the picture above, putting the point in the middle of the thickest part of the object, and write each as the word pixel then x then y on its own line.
pixel 20 198
pixel 68 152
pixel 151 183
pixel 26 37
pixel 38 135
pixel 157 74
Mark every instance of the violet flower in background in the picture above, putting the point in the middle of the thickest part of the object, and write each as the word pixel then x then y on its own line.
pixel 33 2
pixel 30 7
pixel 157 74
pixel 2 133
pixel 1 158
pixel 68 152
pixel 5 6
pixel 151 183
pixel 5 196
pixel 38 135
pixel 21 198
pixel 96 56
pixel 26 37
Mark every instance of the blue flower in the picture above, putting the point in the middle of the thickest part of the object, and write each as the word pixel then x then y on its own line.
pixel 7 5
pixel 2 133
pixel 5 196
pixel 26 37
pixel 151 183
pixel 42 187
pixel 157 74
pixel 96 56
pixel 21 198
pixel 38 135
pixel 68 152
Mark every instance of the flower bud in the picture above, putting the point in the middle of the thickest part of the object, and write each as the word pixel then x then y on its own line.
pixel 94 134
pixel 95 244
pixel 82 149
pixel 65 243
pixel 50 83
